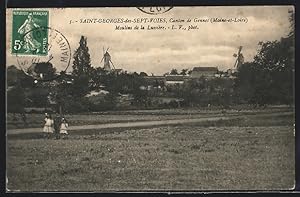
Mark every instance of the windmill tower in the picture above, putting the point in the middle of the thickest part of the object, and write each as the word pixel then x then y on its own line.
pixel 239 58
pixel 107 60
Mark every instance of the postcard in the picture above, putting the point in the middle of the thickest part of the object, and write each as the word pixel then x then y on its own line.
pixel 143 99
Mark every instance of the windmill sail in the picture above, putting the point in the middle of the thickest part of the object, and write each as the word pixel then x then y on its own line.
pixel 112 64
pixel 239 58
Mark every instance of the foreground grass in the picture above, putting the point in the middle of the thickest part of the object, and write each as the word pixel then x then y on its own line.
pixel 190 157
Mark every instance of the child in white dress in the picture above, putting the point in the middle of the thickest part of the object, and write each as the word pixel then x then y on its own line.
pixel 64 127
pixel 48 126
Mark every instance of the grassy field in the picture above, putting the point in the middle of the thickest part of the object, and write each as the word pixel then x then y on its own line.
pixel 253 152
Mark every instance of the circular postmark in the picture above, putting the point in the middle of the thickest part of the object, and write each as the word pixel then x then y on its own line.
pixel 155 10
pixel 47 53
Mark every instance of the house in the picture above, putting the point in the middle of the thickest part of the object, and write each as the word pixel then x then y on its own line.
pixel 207 72
pixel 154 80
pixel 174 79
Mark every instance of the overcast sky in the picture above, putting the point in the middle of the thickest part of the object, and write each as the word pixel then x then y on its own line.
pixel 160 50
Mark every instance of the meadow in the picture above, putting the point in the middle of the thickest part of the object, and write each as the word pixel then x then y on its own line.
pixel 255 152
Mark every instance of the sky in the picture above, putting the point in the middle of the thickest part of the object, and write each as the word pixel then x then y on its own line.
pixel 158 51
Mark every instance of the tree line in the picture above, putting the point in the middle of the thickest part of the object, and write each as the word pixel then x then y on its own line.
pixel 268 79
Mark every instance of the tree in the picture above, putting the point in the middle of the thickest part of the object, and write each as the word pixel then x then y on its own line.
pixel 82 70
pixel 82 61
pixel 269 78
pixel 275 61
pixel 98 76
pixel 38 96
pixel 246 82
pixel 16 77
pixel 143 74
pixel 140 97
pixel 13 75
pixel 80 86
pixel 61 95
pixel 15 100
pixel 174 72
pixel 184 71
pixel 46 69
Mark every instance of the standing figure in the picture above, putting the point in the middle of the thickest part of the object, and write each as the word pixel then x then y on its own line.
pixel 24 119
pixel 48 127
pixel 30 44
pixel 64 127
pixel 57 123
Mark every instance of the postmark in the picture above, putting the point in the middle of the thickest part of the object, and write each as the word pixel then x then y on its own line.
pixel 57 58
pixel 23 40
pixel 155 10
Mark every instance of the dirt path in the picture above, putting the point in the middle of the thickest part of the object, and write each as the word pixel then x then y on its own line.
pixel 123 125
pixel 140 123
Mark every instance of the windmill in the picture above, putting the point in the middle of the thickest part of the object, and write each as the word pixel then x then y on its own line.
pixel 107 60
pixel 239 58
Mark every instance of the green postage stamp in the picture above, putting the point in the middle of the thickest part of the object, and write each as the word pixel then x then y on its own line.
pixel 29 32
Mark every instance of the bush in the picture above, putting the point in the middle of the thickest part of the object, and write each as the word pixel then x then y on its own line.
pixel 77 106
pixel 108 102
pixel 15 100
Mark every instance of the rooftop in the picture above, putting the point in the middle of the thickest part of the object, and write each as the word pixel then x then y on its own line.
pixel 205 69
pixel 154 77
pixel 175 77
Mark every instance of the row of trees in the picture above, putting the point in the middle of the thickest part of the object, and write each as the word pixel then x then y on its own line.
pixel 174 71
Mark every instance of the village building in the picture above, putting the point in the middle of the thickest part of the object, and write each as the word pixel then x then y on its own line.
pixel 207 72
pixel 174 79
pixel 154 82
pixel 154 79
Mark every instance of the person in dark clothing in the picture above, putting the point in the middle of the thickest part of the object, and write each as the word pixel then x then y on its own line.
pixel 24 118
pixel 57 123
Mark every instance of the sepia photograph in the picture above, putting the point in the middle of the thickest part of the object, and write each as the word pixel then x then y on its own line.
pixel 150 99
